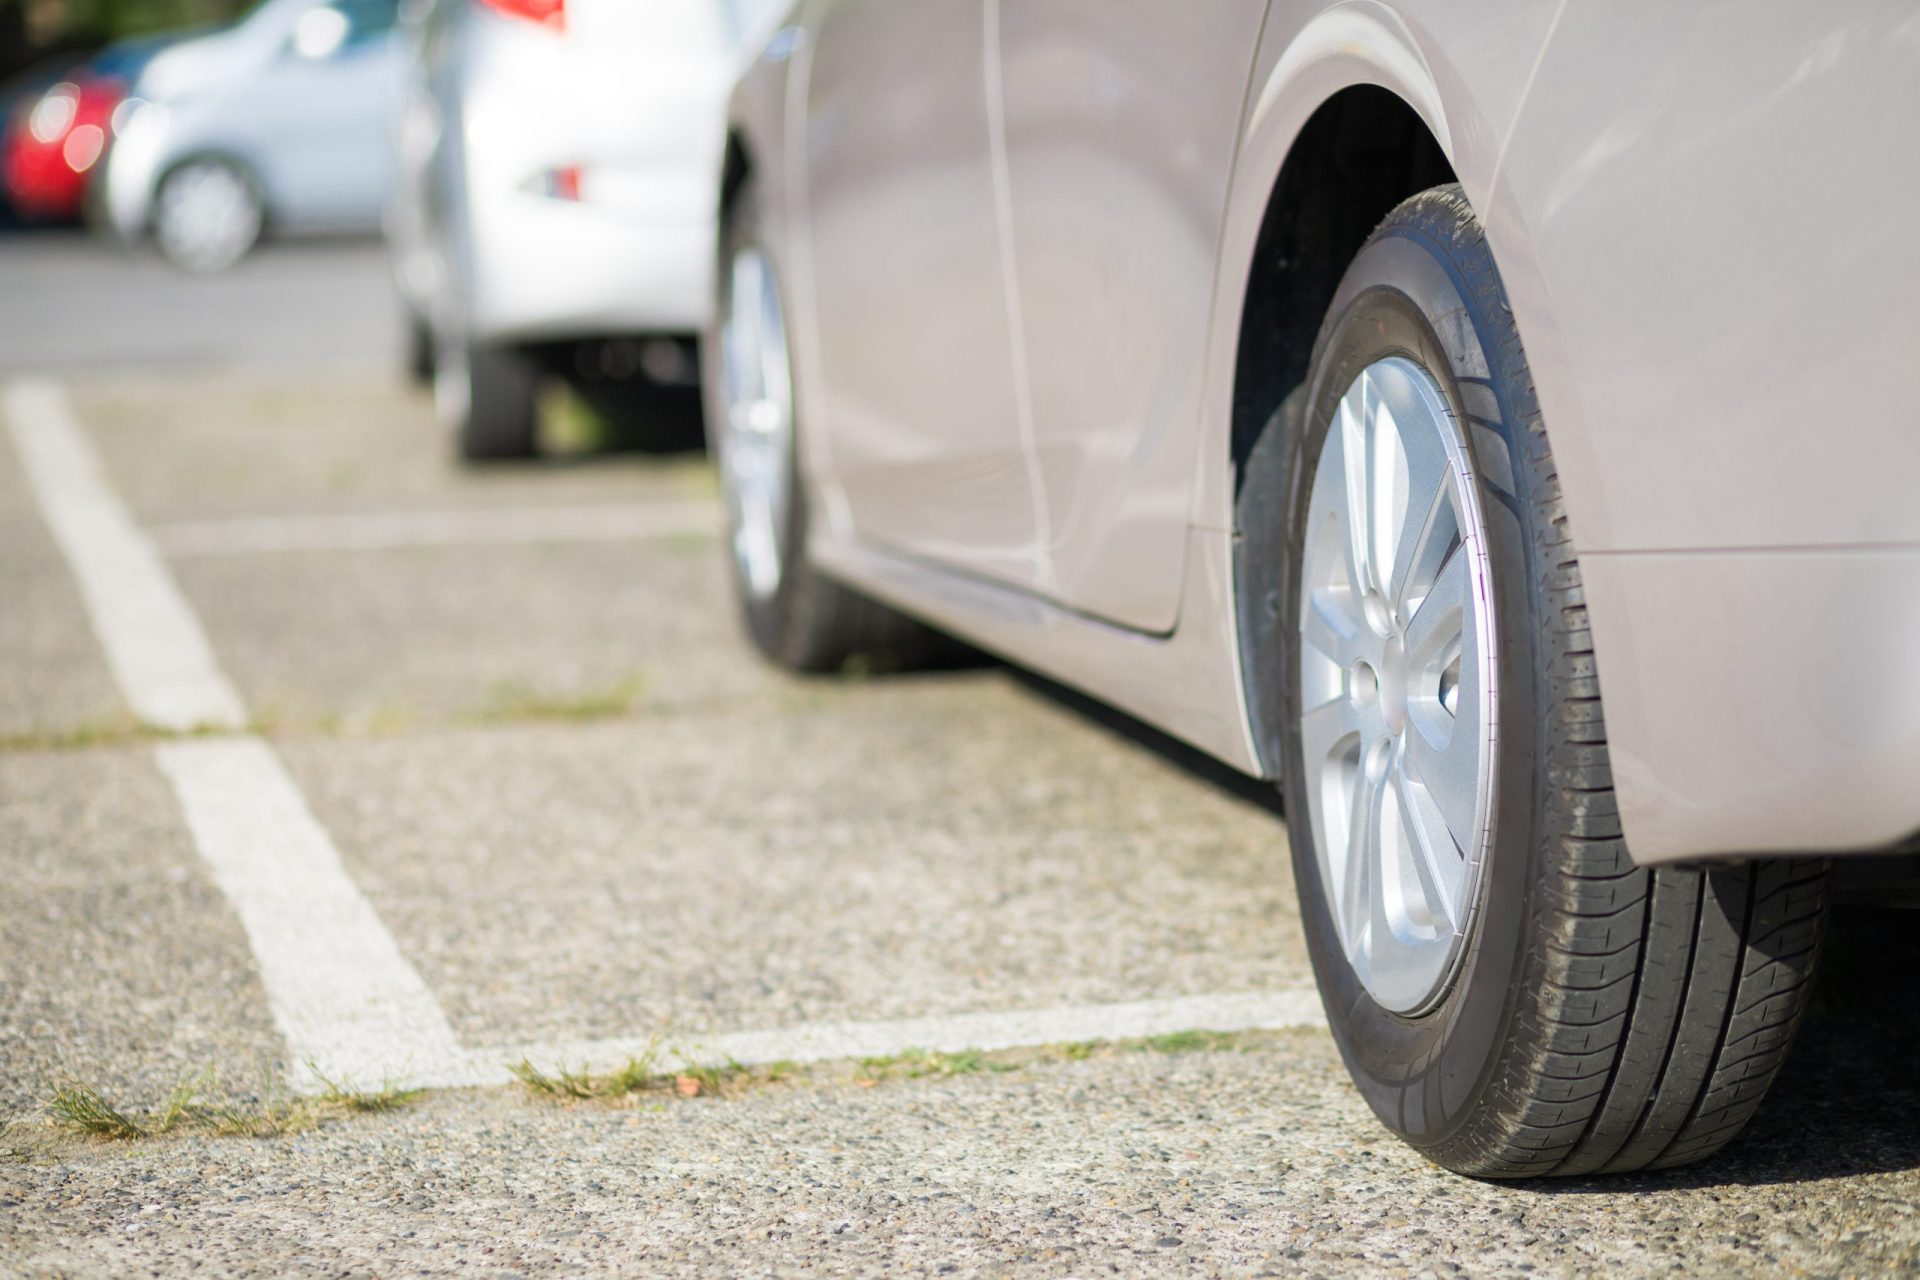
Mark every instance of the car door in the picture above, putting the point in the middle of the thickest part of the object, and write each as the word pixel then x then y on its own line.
pixel 1121 117
pixel 322 112
pixel 914 337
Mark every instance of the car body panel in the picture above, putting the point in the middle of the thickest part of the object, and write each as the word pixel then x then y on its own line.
pixel 628 101
pixel 312 131
pixel 1128 106
pixel 1752 517
pixel 916 339
pixel 1716 284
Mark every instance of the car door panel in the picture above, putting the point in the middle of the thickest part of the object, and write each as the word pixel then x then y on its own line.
pixel 915 341
pixel 1121 117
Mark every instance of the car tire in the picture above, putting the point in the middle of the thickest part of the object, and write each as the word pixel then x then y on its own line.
pixel 418 357
pixel 796 615
pixel 208 214
pixel 1571 1012
pixel 487 396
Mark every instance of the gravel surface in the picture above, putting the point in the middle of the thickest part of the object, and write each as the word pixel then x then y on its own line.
pixel 1258 1160
pixel 873 851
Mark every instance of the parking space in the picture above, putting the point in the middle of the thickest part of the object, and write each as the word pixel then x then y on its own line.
pixel 506 782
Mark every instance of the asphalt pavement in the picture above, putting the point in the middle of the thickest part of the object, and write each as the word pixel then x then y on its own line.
pixel 342 781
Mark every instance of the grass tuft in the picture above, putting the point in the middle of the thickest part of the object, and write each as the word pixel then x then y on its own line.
pixel 1189 1042
pixel 340 1095
pixel 920 1064
pixel 81 1109
pixel 512 703
pixel 647 1074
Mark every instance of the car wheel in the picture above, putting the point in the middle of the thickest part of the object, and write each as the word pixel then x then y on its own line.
pixel 419 354
pixel 1513 996
pixel 797 616
pixel 207 214
pixel 486 395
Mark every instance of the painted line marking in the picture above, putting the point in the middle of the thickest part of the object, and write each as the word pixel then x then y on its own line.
pixel 392 530
pixel 154 644
pixel 950 1033
pixel 345 998
pixel 343 995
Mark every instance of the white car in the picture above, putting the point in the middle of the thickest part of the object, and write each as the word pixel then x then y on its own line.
pixel 1369 393
pixel 556 207
pixel 278 123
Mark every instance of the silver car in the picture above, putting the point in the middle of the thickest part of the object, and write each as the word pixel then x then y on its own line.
pixel 554 211
pixel 1491 421
pixel 278 123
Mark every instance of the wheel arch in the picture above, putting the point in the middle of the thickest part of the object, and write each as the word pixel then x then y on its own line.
pixel 1346 117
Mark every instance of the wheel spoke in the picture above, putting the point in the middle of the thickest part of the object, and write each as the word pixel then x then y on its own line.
pixel 1361 873
pixel 1433 859
pixel 1429 532
pixel 1327 729
pixel 1434 631
pixel 1333 626
pixel 1352 429
pixel 1451 773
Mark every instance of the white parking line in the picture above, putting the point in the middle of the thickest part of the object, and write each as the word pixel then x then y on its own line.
pixel 153 642
pixel 381 531
pixel 952 1033
pixel 341 993
pixel 348 1002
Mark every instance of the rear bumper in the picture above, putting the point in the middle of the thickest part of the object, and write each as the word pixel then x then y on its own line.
pixel 632 250
pixel 1760 701
pixel 543 268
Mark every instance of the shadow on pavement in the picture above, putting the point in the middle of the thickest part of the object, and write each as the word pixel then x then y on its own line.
pixel 1846 1103
pixel 1189 759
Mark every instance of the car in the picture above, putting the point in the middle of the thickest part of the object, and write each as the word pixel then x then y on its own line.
pixel 554 209
pixel 1490 422
pixel 57 120
pixel 278 123
pixel 52 142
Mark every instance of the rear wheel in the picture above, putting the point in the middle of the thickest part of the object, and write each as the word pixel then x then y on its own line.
pixel 418 358
pixel 486 394
pixel 796 615
pixel 1512 995
pixel 207 214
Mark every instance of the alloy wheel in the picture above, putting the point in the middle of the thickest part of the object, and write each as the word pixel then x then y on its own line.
pixel 1398 678
pixel 756 438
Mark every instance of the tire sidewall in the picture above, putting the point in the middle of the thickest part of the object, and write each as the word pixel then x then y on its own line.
pixel 1409 294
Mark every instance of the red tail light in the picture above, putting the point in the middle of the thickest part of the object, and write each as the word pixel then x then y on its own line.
pixel 548 13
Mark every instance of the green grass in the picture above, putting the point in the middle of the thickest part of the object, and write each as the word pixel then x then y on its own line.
pixel 921 1064
pixel 80 1108
pixel 567 423
pixel 1189 1042
pixel 112 732
pixel 83 1110
pixel 648 1074
pixel 512 702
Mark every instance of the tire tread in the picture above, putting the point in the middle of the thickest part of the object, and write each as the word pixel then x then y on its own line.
pixel 1673 991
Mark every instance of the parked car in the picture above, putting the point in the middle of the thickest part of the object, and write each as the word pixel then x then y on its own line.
pixel 278 123
pixel 56 123
pixel 1490 421
pixel 52 142
pixel 555 207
